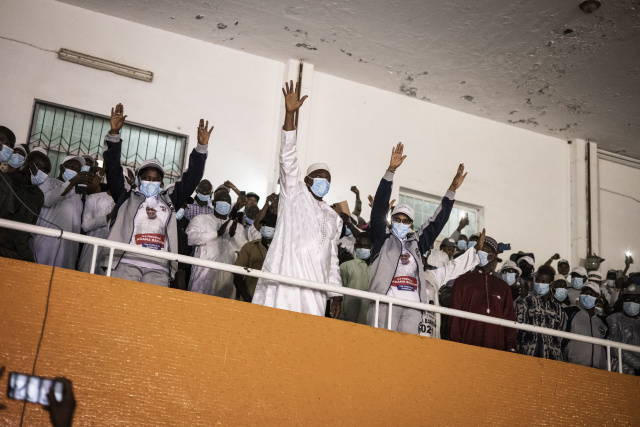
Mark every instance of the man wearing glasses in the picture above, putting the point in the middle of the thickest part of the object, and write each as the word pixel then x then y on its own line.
pixel 397 268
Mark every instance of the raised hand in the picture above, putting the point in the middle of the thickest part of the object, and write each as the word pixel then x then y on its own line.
pixel 203 133
pixel 117 119
pixel 291 101
pixel 480 244
pixel 464 221
pixel 458 179
pixel 396 157
pixel 355 190
pixel 370 197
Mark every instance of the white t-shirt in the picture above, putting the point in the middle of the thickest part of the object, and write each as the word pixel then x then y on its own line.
pixel 149 230
pixel 405 280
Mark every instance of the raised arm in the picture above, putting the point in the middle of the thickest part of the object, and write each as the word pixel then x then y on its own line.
pixel 456 268
pixel 111 154
pixel 191 177
pixel 380 206
pixel 358 207
pixel 289 167
pixel 555 257
pixel 431 229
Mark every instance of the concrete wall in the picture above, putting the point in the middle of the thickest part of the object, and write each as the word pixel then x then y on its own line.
pixel 619 212
pixel 520 178
pixel 238 93
pixel 143 355
pixel 523 180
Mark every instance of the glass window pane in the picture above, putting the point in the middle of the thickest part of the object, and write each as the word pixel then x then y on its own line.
pixel 62 131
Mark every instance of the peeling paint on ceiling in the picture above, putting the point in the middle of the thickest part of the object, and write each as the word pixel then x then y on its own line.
pixel 545 66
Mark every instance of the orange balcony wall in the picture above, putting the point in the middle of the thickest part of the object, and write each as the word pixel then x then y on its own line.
pixel 143 355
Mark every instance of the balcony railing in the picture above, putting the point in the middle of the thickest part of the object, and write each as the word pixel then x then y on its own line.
pixel 378 298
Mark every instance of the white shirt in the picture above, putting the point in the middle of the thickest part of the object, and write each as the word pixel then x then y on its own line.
pixel 150 231
pixel 305 244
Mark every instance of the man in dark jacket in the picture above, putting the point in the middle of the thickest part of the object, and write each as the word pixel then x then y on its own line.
pixel 23 183
pixel 397 269
pixel 146 217
pixel 482 292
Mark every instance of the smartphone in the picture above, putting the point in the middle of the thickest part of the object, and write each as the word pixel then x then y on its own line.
pixel 32 388
pixel 243 193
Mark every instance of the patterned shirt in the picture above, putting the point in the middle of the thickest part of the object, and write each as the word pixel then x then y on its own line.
pixel 195 209
pixel 533 310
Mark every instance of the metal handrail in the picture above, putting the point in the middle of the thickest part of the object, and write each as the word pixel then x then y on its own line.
pixel 378 298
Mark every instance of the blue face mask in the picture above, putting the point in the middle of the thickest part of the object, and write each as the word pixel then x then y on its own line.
pixel 249 220
pixel 510 278
pixel 68 174
pixel 5 153
pixel 471 244
pixel 223 208
pixel 320 187
pixel 38 178
pixel 363 253
pixel 541 288
pixel 577 282
pixel 587 301
pixel 180 213
pixel 16 160
pixel 150 188
pixel 561 294
pixel 136 182
pixel 462 245
pixel 347 231
pixel 484 258
pixel 631 308
pixel 400 230
pixel 203 197
pixel 267 232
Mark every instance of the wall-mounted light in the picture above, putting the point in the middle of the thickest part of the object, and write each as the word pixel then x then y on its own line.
pixel 589 6
pixel 105 65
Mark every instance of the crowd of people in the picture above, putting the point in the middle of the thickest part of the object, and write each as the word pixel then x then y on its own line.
pixel 296 233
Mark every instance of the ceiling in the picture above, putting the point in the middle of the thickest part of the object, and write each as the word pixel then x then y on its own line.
pixel 542 65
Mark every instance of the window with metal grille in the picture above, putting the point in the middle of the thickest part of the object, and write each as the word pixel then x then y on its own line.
pixel 425 205
pixel 64 131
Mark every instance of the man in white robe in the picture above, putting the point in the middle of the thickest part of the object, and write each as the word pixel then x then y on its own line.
pixel 210 234
pixel 95 222
pixel 307 232
pixel 62 207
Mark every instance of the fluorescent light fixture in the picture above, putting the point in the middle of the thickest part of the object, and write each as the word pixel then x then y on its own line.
pixel 103 64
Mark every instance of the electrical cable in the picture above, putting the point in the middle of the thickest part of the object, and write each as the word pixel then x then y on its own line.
pixel 46 310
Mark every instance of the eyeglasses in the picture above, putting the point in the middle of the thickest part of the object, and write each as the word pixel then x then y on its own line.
pixel 404 221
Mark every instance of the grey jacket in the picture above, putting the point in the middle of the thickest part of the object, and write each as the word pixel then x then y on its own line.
pixel 128 201
pixel 582 353
pixel 387 248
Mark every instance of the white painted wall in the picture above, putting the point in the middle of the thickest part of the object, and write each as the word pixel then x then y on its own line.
pixel 522 179
pixel 519 177
pixel 619 214
pixel 237 92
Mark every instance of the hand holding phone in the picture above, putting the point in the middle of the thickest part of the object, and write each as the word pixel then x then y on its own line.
pixel 32 388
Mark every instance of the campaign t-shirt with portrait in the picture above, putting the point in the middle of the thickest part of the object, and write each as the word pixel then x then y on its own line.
pixel 405 280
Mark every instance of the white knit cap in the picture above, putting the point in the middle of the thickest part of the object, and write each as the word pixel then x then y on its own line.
pixel 579 270
pixel 593 286
pixel 528 259
pixel 317 166
pixel 78 158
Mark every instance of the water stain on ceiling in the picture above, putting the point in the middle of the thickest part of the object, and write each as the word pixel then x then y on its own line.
pixel 541 65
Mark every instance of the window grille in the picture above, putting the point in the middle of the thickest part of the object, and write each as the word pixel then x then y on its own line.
pixel 64 131
pixel 425 205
